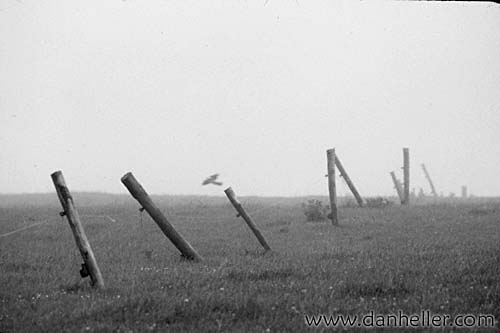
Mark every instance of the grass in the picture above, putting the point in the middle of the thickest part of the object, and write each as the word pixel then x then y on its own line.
pixel 444 258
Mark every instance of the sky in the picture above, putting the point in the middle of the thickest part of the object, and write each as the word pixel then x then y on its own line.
pixel 257 91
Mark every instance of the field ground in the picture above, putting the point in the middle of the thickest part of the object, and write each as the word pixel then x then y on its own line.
pixel 443 257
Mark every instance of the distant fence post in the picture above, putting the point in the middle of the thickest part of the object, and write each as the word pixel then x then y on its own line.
pixel 348 181
pixel 241 212
pixel 428 177
pixel 397 186
pixel 89 266
pixel 464 192
pixel 330 156
pixel 406 172
pixel 138 192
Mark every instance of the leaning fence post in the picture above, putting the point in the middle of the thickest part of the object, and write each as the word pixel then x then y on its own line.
pixel 397 186
pixel 406 172
pixel 138 192
pixel 241 212
pixel 428 177
pixel 89 266
pixel 348 181
pixel 332 189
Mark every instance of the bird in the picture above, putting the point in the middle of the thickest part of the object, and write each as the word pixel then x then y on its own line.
pixel 212 180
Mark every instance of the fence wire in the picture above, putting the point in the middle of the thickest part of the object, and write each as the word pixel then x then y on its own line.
pixel 26 228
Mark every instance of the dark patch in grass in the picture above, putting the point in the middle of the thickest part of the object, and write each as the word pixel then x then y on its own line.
pixel 482 211
pixel 94 227
pixel 238 312
pixel 148 254
pixel 479 274
pixel 320 222
pixel 77 287
pixel 367 237
pixel 51 238
pixel 237 275
pixel 283 230
pixel 281 222
pixel 332 256
pixel 129 310
pixel 377 289
pixel 255 253
pixel 17 267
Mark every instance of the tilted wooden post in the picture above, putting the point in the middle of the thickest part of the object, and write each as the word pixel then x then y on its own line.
pixel 330 156
pixel 428 177
pixel 138 192
pixel 241 212
pixel 89 266
pixel 397 186
pixel 348 181
pixel 406 172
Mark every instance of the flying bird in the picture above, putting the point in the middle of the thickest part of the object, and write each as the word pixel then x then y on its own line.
pixel 212 180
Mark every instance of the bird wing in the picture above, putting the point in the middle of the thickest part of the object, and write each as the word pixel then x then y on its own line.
pixel 211 179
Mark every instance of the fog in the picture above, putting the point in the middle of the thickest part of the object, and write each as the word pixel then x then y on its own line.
pixel 255 90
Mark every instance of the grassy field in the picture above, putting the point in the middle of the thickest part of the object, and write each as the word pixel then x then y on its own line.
pixel 444 258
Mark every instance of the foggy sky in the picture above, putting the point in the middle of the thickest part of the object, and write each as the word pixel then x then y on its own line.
pixel 177 90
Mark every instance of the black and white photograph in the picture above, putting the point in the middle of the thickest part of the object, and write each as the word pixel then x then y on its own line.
pixel 249 166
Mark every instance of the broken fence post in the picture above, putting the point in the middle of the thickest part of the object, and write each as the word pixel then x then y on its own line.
pixel 89 266
pixel 241 212
pixel 348 181
pixel 138 192
pixel 397 186
pixel 330 155
pixel 406 173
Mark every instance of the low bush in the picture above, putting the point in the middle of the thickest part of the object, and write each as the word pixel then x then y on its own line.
pixel 315 211
pixel 378 202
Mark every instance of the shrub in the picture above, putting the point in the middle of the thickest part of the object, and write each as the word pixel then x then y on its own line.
pixel 378 202
pixel 314 210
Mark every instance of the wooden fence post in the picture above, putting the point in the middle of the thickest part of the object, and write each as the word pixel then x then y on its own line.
pixel 241 212
pixel 138 192
pixel 406 172
pixel 89 266
pixel 397 186
pixel 330 156
pixel 348 181
pixel 428 177
pixel 464 192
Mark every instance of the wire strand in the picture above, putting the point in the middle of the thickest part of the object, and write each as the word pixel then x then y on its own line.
pixel 25 228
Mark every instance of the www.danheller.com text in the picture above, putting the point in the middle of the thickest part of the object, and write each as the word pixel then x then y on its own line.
pixel 423 319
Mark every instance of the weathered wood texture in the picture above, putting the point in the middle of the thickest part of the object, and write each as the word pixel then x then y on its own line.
pixel 406 173
pixel 428 177
pixel 138 192
pixel 348 181
pixel 397 186
pixel 332 189
pixel 89 266
pixel 241 212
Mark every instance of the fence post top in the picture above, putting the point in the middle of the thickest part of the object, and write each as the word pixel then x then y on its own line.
pixel 127 175
pixel 56 173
